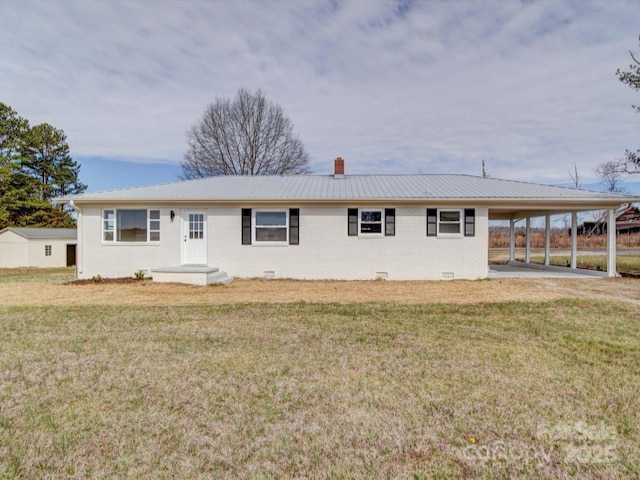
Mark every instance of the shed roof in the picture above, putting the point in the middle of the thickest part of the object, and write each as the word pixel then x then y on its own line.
pixel 321 188
pixel 43 233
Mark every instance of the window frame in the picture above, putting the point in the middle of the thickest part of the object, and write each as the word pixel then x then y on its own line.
pixel 467 222
pixel 255 226
pixel 354 222
pixel 110 225
pixel 150 224
pixel 460 223
pixel 111 222
pixel 380 234
pixel 48 250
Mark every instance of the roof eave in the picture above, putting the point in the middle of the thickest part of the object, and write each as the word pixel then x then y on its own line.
pixel 481 201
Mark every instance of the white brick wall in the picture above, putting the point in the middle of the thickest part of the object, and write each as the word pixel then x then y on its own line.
pixel 325 250
pixel 110 259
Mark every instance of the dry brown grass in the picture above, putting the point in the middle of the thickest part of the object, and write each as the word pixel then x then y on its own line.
pixel 375 379
pixel 585 242
pixel 501 391
pixel 289 291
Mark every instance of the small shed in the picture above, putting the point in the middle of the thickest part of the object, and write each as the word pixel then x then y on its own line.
pixel 37 247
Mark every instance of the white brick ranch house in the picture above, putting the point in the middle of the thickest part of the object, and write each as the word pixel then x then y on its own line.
pixel 398 227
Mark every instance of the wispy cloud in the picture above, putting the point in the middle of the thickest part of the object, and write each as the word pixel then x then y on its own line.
pixel 390 86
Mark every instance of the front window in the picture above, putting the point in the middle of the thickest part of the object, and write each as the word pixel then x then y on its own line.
pixel 449 222
pixel 370 222
pixel 131 225
pixel 271 226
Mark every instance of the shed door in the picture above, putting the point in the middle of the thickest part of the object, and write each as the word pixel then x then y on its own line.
pixel 194 237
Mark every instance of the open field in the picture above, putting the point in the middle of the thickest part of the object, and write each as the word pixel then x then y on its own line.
pixel 371 380
pixel 627 264
pixel 500 239
pixel 624 263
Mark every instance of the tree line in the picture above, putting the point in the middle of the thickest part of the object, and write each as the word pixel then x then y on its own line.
pixel 35 167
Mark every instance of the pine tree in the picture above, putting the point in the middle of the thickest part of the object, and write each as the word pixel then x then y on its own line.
pixel 35 166
pixel 45 155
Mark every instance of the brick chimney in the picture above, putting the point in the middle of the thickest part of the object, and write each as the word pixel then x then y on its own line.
pixel 339 167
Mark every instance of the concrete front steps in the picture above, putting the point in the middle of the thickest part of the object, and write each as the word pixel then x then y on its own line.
pixel 191 275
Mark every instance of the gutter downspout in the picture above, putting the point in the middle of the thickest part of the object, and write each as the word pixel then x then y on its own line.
pixel 79 256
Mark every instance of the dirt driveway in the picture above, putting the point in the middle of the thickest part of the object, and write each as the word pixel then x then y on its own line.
pixel 284 291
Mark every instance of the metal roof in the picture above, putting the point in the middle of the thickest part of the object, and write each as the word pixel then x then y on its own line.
pixel 347 188
pixel 43 233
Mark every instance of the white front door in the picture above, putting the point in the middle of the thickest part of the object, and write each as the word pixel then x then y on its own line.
pixel 194 237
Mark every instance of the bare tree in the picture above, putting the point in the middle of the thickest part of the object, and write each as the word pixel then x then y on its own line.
pixel 575 178
pixel 248 135
pixel 631 163
pixel 610 173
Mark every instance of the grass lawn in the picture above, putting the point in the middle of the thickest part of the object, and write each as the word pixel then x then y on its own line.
pixel 305 390
pixel 39 275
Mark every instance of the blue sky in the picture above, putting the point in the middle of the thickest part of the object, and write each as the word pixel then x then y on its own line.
pixel 392 87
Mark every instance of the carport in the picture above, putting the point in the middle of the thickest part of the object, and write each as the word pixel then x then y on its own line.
pixel 545 208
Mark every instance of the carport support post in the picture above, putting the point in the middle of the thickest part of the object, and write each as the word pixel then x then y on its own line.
pixel 527 251
pixel 512 240
pixel 574 239
pixel 611 243
pixel 547 239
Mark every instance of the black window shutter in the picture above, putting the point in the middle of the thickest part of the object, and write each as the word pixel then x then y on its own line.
pixel 294 226
pixel 390 222
pixel 432 222
pixel 352 214
pixel 246 226
pixel 469 222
